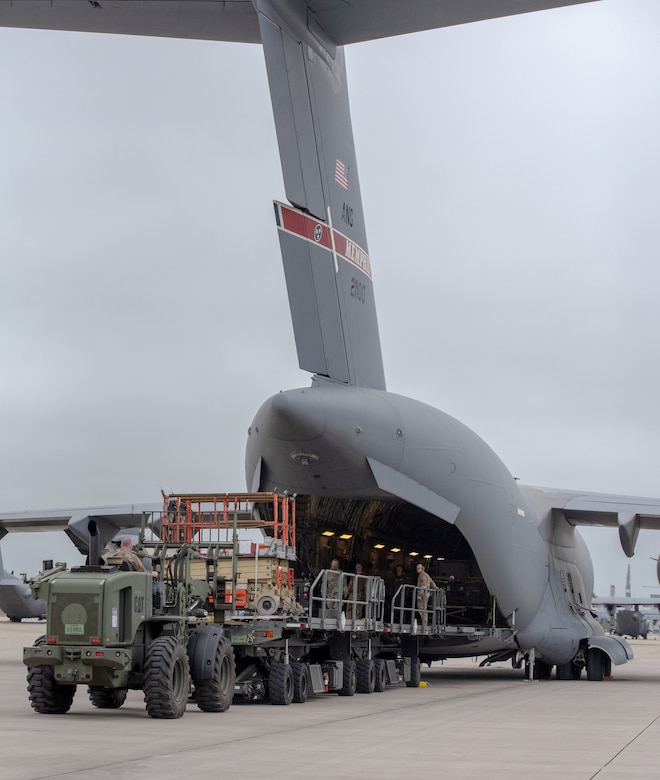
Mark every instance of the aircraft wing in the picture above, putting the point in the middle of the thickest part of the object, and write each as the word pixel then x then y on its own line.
pixel 77 523
pixel 344 21
pixel 627 513
pixel 625 601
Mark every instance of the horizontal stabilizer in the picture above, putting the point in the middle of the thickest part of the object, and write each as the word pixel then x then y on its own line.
pixel 346 21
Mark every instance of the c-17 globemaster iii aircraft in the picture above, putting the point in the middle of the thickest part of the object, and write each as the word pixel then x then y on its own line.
pixel 16 597
pixel 394 477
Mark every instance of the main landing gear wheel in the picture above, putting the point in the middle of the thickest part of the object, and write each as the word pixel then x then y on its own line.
pixel 380 675
pixel 542 670
pixel 300 682
pixel 349 679
pixel 415 672
pixel 366 675
pixel 166 678
pixel 217 694
pixel 599 664
pixel 280 684
pixel 46 696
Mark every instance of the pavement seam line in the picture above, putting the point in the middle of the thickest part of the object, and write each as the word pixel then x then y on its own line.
pixel 625 747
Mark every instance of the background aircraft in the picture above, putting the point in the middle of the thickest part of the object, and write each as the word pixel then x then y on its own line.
pixel 624 614
pixel 579 505
pixel 16 598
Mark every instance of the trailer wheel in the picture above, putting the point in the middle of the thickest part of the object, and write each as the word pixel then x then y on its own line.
pixel 349 680
pixel 107 698
pixel 300 682
pixel 280 684
pixel 166 678
pixel 366 675
pixel 217 694
pixel 380 675
pixel 415 672
pixel 46 696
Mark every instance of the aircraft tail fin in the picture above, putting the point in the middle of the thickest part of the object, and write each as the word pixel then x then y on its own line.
pixel 323 237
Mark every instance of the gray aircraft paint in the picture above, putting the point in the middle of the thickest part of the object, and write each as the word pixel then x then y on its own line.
pixel 339 438
pixel 16 597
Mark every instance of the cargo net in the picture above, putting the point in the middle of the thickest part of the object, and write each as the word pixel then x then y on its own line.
pixel 204 519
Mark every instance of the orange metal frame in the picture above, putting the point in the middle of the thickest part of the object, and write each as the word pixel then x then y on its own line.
pixel 187 515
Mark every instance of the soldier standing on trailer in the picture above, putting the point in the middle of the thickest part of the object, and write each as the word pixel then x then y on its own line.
pixel 425 585
pixel 356 586
pixel 333 581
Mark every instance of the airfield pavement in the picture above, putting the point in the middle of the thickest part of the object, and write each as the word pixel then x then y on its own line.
pixel 467 723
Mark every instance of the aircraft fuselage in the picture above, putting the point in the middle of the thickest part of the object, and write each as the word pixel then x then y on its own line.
pixel 340 442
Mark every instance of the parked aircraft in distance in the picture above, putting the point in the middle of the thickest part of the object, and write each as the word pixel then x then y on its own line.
pixel 16 598
pixel 623 614
pixel 380 477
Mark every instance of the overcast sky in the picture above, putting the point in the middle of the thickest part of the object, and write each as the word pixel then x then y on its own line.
pixel 510 176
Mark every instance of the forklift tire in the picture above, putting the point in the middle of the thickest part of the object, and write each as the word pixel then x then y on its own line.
pixel 366 675
pixel 217 694
pixel 46 696
pixel 381 675
pixel 349 680
pixel 300 682
pixel 415 672
pixel 107 698
pixel 166 678
pixel 280 684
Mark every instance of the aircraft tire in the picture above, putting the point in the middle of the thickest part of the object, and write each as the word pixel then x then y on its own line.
pixel 380 675
pixel 280 684
pixel 166 678
pixel 349 680
pixel 107 698
pixel 564 671
pixel 217 694
pixel 13 619
pixel 300 682
pixel 46 696
pixel 366 675
pixel 542 670
pixel 415 672
pixel 595 664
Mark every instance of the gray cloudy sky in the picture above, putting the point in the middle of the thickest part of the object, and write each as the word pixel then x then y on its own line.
pixel 510 177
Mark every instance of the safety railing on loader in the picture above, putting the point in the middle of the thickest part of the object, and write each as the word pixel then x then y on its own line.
pixel 418 610
pixel 347 602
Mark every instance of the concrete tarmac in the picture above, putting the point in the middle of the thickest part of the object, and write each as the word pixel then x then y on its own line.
pixel 467 723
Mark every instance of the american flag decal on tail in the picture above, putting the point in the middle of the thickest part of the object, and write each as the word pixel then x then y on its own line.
pixel 341 174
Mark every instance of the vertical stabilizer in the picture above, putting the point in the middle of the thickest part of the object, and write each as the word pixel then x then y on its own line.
pixel 323 238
